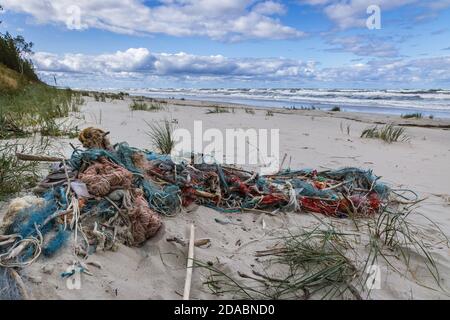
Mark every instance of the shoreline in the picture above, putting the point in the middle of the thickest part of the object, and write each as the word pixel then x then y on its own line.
pixel 429 103
pixel 377 118
pixel 367 117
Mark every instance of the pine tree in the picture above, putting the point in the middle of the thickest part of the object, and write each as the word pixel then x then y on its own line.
pixel 14 53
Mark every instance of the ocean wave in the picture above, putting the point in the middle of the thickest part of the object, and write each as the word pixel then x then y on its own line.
pixel 413 100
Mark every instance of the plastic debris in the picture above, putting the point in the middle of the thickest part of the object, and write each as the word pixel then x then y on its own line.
pixel 108 195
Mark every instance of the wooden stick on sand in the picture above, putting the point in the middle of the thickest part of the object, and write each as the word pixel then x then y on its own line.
pixel 190 263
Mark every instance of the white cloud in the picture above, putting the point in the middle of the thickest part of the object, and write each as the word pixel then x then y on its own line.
pixel 270 8
pixel 365 46
pixel 131 60
pixel 315 2
pixel 438 5
pixel 397 72
pixel 219 20
pixel 140 63
pixel 352 13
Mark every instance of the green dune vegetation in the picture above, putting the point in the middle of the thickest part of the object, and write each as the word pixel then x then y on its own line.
pixel 27 105
pixel 30 111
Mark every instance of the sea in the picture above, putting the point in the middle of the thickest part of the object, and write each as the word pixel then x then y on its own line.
pixel 434 102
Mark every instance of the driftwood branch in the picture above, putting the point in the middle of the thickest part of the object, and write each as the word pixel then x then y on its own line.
pixel 29 157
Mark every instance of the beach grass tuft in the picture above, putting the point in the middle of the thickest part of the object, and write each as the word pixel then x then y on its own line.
pixel 138 105
pixel 303 108
pixel 393 237
pixel 322 262
pixel 388 133
pixel 161 136
pixel 315 266
pixel 217 109
pixel 416 115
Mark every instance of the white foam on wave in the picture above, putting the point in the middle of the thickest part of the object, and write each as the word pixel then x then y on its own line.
pixel 420 100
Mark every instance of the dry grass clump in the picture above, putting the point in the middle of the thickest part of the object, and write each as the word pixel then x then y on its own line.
pixel 217 110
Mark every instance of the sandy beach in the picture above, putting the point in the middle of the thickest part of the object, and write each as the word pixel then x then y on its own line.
pixel 203 151
pixel 312 139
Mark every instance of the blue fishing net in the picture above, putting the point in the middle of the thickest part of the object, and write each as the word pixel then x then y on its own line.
pixel 353 177
pixel 359 178
pixel 165 201
pixel 151 156
pixel 27 220
pixel 55 243
pixel 290 172
pixel 306 189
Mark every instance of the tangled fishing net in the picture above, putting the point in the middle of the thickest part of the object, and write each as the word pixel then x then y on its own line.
pixel 105 195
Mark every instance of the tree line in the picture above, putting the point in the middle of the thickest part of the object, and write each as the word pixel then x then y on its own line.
pixel 14 54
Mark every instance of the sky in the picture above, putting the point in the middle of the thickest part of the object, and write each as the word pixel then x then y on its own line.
pixel 236 43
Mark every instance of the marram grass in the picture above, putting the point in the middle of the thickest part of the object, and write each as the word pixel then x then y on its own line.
pixel 325 263
pixel 161 136
pixel 388 133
